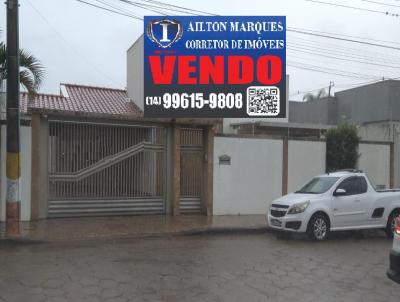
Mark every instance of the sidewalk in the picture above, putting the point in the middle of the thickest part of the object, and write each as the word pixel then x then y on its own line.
pixel 124 227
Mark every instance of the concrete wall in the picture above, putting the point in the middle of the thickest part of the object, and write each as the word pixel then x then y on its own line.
pixel 388 132
pixel 320 112
pixel 25 182
pixel 135 77
pixel 254 176
pixel 369 103
pixel 252 180
pixel 375 161
pixel 305 160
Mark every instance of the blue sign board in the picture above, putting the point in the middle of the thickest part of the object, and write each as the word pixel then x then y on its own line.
pixel 215 66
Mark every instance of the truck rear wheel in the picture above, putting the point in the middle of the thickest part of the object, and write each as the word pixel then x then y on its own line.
pixel 391 223
pixel 318 227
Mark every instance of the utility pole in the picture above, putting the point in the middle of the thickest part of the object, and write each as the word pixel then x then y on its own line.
pixel 331 84
pixel 13 204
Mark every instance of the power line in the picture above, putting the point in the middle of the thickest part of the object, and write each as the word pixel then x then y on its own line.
pixel 295 30
pixel 356 8
pixel 346 51
pixel 176 6
pixel 67 43
pixel 118 8
pixel 342 35
pixel 163 8
pixel 340 55
pixel 342 69
pixel 344 58
pixel 343 39
pixel 381 3
pixel 301 65
pixel 342 85
pixel 110 10
pixel 307 91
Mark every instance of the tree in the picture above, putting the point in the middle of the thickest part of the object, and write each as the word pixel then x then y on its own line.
pixel 309 97
pixel 31 70
pixel 342 147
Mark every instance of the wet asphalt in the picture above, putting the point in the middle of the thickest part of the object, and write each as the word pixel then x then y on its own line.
pixel 224 267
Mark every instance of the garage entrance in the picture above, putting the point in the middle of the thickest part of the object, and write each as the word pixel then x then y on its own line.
pixel 105 169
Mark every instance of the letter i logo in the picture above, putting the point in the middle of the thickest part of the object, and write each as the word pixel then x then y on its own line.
pixel 164 32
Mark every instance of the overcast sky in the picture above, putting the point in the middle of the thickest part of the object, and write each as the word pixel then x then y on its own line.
pixel 81 44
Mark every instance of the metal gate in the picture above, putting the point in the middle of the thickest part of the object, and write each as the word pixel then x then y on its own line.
pixel 105 169
pixel 191 170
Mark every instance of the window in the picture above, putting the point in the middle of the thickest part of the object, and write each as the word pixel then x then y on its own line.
pixel 354 185
pixel 362 185
pixel 318 185
pixel 350 185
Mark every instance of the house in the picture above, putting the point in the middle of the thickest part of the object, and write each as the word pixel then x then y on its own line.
pixel 90 151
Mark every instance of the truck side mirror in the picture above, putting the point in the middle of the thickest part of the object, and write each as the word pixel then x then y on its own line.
pixel 339 192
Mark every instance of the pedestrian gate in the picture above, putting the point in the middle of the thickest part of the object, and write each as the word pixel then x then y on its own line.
pixel 104 169
pixel 191 170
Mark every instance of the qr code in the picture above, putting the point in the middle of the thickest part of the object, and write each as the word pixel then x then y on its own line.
pixel 263 101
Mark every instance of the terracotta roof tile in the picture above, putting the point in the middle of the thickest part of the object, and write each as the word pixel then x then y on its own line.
pixel 84 99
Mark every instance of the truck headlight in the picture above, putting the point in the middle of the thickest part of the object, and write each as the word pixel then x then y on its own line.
pixel 299 207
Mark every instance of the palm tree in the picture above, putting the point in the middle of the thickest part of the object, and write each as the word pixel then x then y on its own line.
pixel 314 97
pixel 31 70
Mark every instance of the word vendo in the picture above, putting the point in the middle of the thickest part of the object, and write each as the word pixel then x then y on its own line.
pixel 219 70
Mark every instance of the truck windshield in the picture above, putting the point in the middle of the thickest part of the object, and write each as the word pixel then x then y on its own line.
pixel 318 185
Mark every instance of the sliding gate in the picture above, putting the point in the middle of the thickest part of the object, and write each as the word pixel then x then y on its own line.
pixel 105 169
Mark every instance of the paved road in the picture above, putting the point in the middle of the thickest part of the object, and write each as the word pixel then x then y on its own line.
pixel 200 268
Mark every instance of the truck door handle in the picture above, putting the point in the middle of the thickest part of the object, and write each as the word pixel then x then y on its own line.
pixel 357 200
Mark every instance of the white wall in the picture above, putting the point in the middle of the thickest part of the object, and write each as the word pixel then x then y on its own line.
pixel 253 179
pixel 385 132
pixel 375 161
pixel 305 160
pixel 25 182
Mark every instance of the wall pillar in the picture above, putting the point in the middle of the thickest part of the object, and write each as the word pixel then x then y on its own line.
pixel 285 165
pixel 391 167
pixel 39 171
pixel 176 169
pixel 208 165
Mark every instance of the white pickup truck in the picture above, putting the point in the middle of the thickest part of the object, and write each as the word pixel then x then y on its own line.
pixel 343 200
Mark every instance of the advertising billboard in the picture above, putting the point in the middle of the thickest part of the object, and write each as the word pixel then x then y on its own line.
pixel 215 66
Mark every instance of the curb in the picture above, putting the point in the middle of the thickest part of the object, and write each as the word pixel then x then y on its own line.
pixel 4 242
pixel 19 241
pixel 225 230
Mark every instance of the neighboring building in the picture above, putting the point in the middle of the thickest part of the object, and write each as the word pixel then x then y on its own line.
pixel 373 103
pixel 135 73
pixel 374 108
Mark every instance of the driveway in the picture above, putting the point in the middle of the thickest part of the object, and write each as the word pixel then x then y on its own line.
pixel 200 268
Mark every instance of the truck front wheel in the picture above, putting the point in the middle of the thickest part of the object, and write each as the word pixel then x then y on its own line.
pixel 318 227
